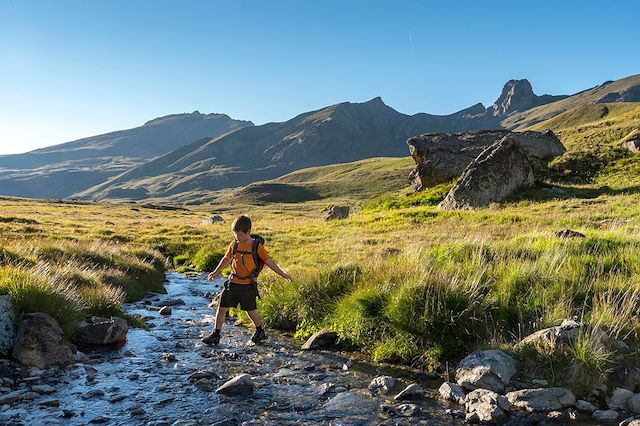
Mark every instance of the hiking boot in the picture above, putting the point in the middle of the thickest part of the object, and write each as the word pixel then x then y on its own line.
pixel 258 336
pixel 212 339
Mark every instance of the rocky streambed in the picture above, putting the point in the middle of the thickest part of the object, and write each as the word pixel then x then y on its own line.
pixel 165 376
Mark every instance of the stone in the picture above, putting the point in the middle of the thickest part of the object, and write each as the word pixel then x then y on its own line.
pixel 499 171
pixel 344 402
pixel 442 157
pixel 625 376
pixel 95 393
pixel 568 234
pixel 165 310
pixel 240 384
pixel 11 397
pixel 634 423
pixel 173 302
pixel 490 369
pixel 100 420
pixel 117 398
pixel 216 218
pixel 67 414
pixel 321 339
pixel 485 406
pixel 201 374
pixel 382 384
pixel 103 331
pixel 40 342
pixel 540 382
pixel 585 406
pixel 7 325
pixel 452 392
pixel 325 388
pixel 618 399
pixel 632 142
pixel 337 212
pixel 204 384
pixel 50 402
pixel 133 376
pixel 407 410
pixel 633 403
pixel 43 389
pixel 605 415
pixel 541 399
pixel 167 356
pixel 560 338
pixel 414 390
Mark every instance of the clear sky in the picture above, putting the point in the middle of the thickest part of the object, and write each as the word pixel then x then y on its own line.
pixel 71 69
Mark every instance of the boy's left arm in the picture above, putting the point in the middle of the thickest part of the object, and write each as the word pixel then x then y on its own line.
pixel 275 268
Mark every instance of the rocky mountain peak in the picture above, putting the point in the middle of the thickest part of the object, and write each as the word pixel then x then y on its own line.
pixel 517 95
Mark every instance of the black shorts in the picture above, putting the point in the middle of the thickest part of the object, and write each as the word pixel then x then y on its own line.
pixel 243 294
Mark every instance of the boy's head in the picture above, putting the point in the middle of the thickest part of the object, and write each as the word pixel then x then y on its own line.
pixel 241 224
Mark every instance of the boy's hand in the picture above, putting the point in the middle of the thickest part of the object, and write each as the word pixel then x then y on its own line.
pixel 211 276
pixel 287 277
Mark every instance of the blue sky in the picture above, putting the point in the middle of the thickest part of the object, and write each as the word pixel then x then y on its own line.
pixel 72 69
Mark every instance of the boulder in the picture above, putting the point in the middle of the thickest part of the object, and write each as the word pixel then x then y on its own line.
pixel 559 338
pixel 568 234
pixel 633 403
pixel 382 384
pixel 634 423
pixel 485 406
pixel 541 399
pixel 607 416
pixel 414 390
pixel 7 325
pixel 625 376
pixel 452 392
pixel 242 383
pixel 632 143
pixel 585 406
pixel 491 369
pixel 499 171
pixel 165 310
pixel 442 157
pixel 337 212
pixel 618 399
pixel 102 331
pixel 40 342
pixel 216 218
pixel 322 339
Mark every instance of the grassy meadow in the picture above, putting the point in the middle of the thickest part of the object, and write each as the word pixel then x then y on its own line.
pixel 399 280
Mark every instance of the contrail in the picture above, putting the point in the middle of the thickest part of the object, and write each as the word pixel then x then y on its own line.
pixel 413 49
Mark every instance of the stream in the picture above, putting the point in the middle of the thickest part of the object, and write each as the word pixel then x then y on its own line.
pixel 146 382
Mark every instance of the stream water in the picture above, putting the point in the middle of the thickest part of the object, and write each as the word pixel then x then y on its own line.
pixel 138 385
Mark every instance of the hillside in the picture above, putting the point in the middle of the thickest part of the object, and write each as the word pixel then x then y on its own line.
pixel 60 171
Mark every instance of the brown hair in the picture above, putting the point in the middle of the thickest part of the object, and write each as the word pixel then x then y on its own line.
pixel 242 224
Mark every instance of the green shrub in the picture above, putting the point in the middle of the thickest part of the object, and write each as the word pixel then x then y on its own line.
pixel 427 197
pixel 103 300
pixel 181 260
pixel 35 294
pixel 11 258
pixel 207 258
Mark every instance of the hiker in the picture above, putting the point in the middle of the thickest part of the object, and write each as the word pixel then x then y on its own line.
pixel 247 256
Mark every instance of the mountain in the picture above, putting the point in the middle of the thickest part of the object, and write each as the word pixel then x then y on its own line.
pixel 62 170
pixel 517 95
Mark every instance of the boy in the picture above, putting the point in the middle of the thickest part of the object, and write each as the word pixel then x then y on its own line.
pixel 241 286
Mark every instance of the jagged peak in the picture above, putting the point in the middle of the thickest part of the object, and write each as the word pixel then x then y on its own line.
pixel 517 95
pixel 194 114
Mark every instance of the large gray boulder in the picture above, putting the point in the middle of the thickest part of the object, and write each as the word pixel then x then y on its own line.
pixel 242 383
pixel 103 331
pixel 491 369
pixel 541 399
pixel 321 339
pixel 442 157
pixel 452 392
pixel 632 141
pixel 498 172
pixel 40 342
pixel 619 398
pixel 7 325
pixel 485 406
pixel 337 212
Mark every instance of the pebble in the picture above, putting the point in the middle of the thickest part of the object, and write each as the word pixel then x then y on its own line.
pixel 167 356
pixel 92 394
pixel 133 376
pixel 43 389
pixel 67 414
pixel 50 403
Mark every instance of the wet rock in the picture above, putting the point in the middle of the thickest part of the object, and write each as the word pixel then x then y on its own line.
pixel 452 392
pixel 103 331
pixel 540 382
pixel 491 369
pixel 618 400
pixel 607 416
pixel 541 399
pixel 407 410
pixel 242 383
pixel 344 402
pixel 95 393
pixel 49 402
pixel 568 234
pixel 325 388
pixel 133 376
pixel 414 390
pixel 485 406
pixel 43 389
pixel 67 414
pixel 204 385
pixel 347 365
pixel 201 374
pixel 100 420
pixel 167 356
pixel 165 310
pixel 117 398
pixel 40 342
pixel 625 376
pixel 585 406
pixel 322 339
pixel 137 411
pixel 12 397
pixel 7 325
pixel 173 302
pixel 382 384
pixel 633 403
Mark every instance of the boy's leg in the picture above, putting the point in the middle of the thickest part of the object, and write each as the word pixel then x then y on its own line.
pixel 214 338
pixel 220 316
pixel 255 317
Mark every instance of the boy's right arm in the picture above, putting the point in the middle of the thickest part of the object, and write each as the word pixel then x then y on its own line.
pixel 223 263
